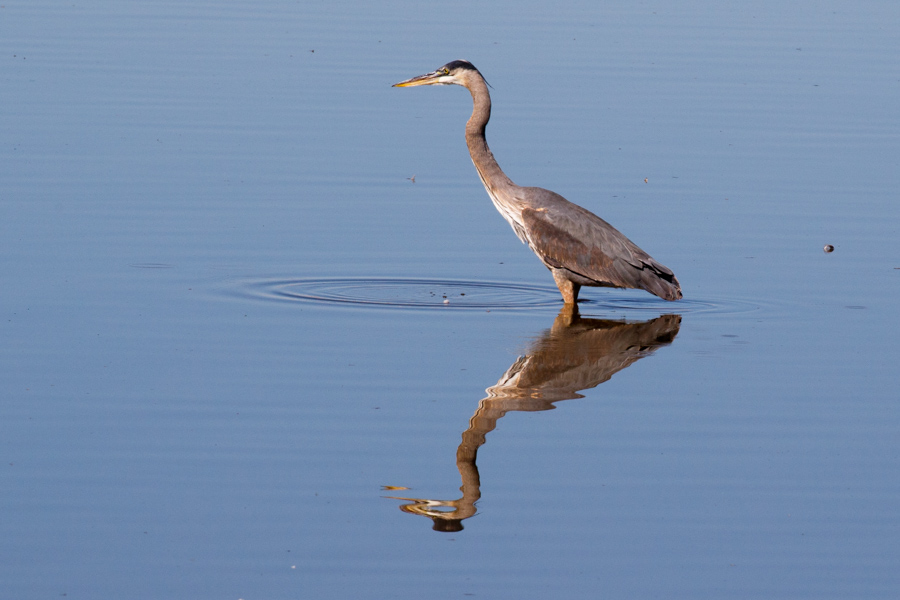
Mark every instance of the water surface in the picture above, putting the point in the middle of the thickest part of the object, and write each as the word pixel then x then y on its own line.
pixel 228 370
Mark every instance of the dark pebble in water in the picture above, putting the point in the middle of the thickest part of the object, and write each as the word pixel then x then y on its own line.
pixel 829 248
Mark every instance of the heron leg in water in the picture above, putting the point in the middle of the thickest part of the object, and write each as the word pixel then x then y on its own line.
pixel 568 289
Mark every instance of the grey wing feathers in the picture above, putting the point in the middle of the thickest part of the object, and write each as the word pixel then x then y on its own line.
pixel 565 235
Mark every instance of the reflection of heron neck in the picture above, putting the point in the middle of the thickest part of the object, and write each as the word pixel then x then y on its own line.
pixel 482 422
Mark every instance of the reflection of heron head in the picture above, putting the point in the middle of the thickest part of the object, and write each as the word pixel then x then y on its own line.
pixel 446 515
pixel 448 525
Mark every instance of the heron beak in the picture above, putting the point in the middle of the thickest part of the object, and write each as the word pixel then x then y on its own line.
pixel 427 79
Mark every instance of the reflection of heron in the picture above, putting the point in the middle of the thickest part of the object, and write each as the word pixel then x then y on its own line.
pixel 575 354
pixel 576 245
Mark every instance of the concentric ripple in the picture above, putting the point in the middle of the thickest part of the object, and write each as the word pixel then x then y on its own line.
pixel 407 293
pixel 446 294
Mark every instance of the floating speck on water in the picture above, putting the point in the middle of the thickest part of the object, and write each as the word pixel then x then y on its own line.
pixel 829 248
pixel 446 301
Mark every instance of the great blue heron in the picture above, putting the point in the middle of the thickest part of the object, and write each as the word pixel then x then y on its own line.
pixel 578 247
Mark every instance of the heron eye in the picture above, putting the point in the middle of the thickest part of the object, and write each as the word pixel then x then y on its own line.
pixel 445 71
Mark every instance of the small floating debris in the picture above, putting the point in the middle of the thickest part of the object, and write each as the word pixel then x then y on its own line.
pixel 446 301
pixel 829 248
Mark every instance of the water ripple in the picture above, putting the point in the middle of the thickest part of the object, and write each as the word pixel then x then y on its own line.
pixel 449 294
pixel 406 293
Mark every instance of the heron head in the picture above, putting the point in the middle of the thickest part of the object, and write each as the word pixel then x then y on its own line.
pixel 453 73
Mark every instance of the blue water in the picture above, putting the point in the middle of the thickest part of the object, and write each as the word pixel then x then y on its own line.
pixel 226 357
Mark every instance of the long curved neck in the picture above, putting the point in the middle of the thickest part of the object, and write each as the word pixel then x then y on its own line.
pixel 490 172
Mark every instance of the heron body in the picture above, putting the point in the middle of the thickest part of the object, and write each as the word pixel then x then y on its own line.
pixel 578 247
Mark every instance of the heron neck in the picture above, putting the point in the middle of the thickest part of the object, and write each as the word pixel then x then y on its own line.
pixel 490 172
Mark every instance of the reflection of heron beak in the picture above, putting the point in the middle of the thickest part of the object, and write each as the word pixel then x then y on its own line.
pixel 427 79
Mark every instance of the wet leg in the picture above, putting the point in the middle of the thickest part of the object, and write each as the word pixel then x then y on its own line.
pixel 568 289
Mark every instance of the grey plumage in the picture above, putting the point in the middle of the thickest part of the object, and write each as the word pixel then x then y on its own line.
pixel 578 247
